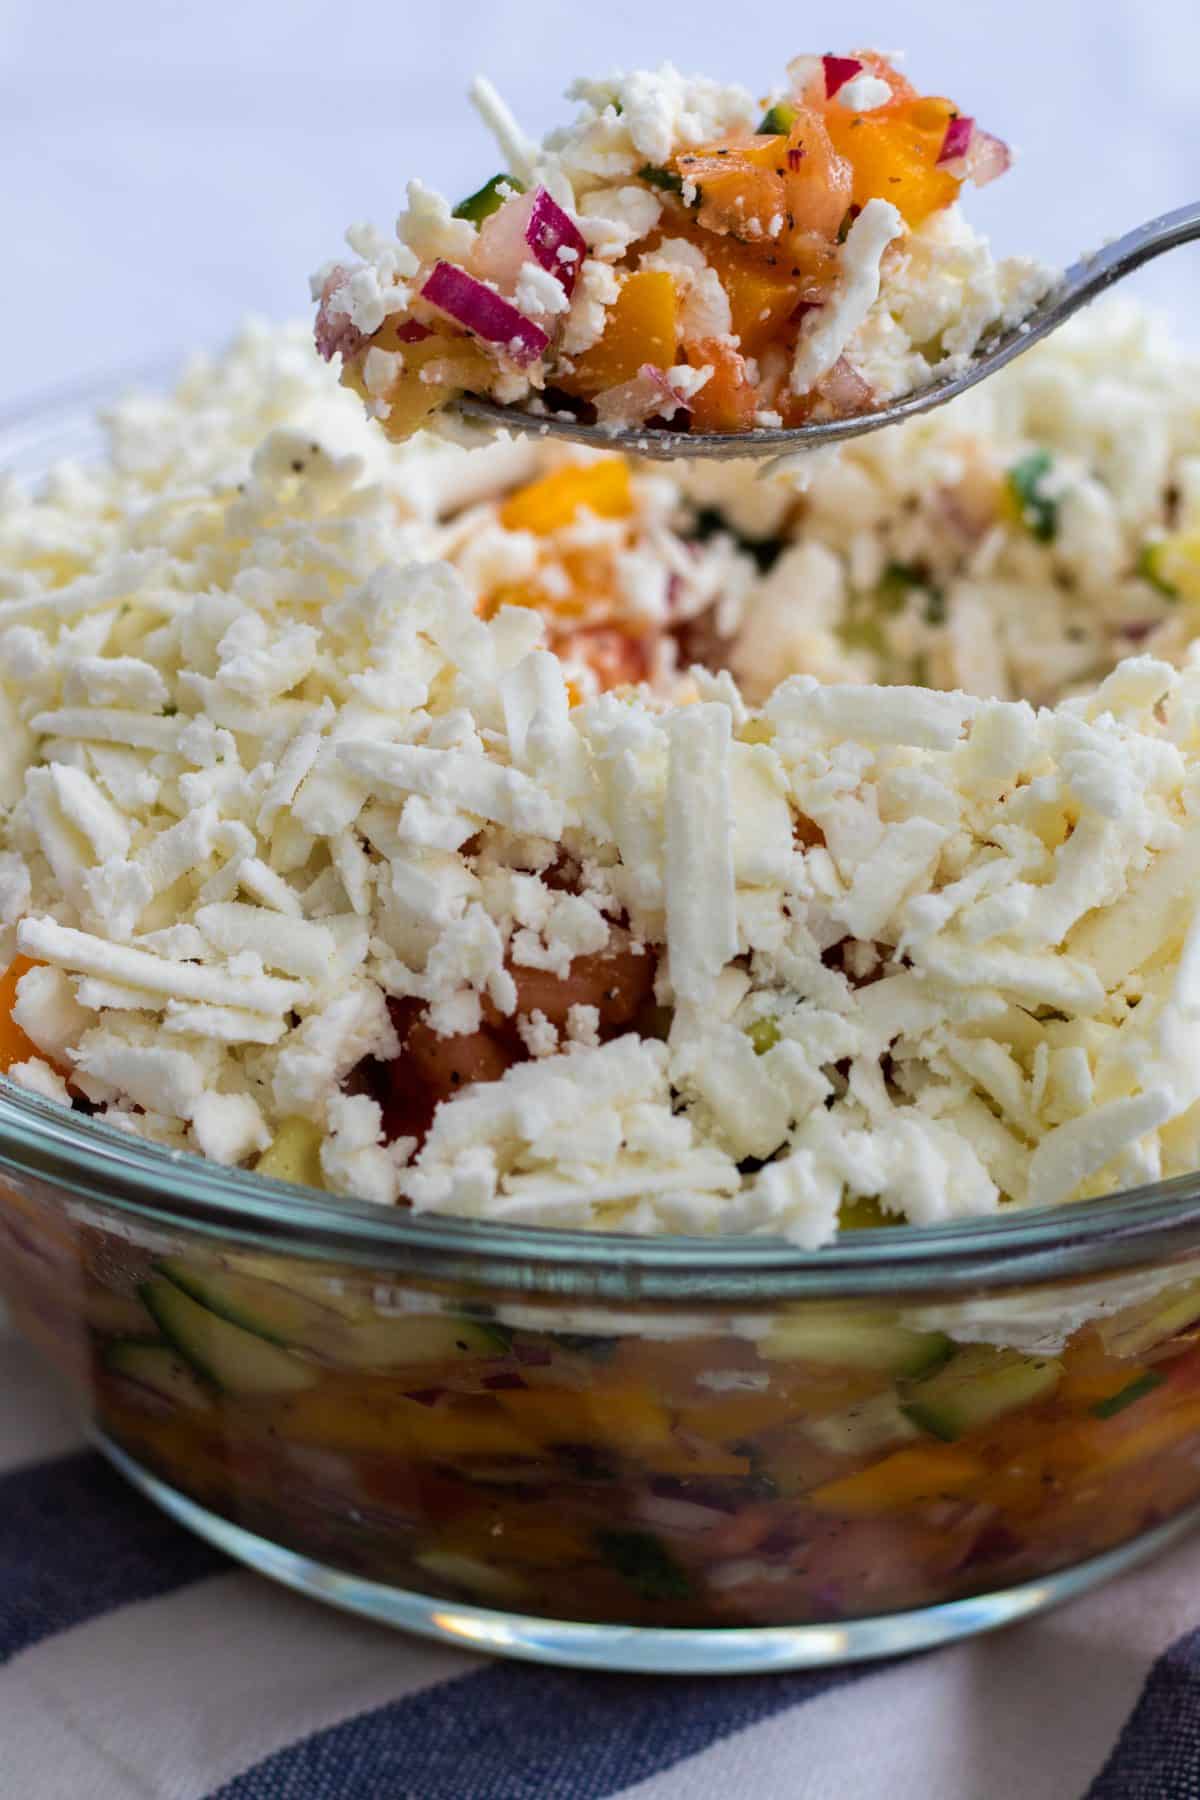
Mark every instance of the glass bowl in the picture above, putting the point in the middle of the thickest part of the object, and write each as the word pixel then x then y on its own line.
pixel 665 1454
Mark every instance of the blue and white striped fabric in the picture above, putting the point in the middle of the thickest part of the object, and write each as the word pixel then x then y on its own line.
pixel 138 1664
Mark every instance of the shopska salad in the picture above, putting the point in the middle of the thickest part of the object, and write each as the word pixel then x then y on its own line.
pixel 391 820
pixel 684 256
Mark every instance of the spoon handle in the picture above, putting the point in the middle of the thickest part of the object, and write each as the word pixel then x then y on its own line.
pixel 1091 276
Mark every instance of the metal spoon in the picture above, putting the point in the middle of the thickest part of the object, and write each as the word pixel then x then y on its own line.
pixel 1086 279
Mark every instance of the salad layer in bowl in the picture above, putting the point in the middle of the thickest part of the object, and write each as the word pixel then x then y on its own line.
pixel 637 902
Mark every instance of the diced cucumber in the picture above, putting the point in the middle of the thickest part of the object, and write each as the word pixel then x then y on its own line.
pixel 856 1340
pixel 235 1361
pixel 1035 507
pixel 381 1343
pixel 978 1385
pixel 285 1312
pixel 271 1311
pixel 309 1280
pixel 1133 1390
pixel 294 1154
pixel 159 1368
pixel 777 121
pixel 872 1424
pixel 488 199
pixel 1138 1328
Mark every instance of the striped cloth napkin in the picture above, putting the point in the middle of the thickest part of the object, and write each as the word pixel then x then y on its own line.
pixel 136 1663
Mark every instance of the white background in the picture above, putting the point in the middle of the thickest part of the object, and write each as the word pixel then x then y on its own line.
pixel 168 165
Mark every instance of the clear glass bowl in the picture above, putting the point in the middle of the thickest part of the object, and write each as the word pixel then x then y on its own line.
pixel 667 1454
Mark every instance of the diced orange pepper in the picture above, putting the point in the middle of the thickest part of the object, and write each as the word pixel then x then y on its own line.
pixel 621 1417
pixel 454 1432
pixel 893 153
pixel 548 504
pixel 15 1047
pixel 762 292
pixel 695 1460
pixel 925 1472
pixel 642 327
pixel 390 1424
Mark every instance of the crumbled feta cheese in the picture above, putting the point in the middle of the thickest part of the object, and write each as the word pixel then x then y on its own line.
pixel 825 333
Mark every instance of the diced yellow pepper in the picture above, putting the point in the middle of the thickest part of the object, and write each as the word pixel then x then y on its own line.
pixel 1174 564
pixel 642 327
pixel 547 505
pixel 925 1472
pixel 294 1155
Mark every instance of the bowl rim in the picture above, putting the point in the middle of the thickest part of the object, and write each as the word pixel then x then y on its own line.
pixel 97 1169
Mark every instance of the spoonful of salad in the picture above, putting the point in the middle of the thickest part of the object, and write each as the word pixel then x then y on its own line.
pixel 685 273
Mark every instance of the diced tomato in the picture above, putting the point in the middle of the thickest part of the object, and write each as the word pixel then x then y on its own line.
pixel 617 982
pixel 615 657
pixel 728 399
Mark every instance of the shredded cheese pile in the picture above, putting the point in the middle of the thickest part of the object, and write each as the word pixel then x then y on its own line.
pixel 266 766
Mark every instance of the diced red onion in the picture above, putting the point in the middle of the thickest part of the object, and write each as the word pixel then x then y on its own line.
pixel 648 394
pixel 412 332
pixel 484 313
pixel 669 1514
pixel 844 388
pixel 534 1356
pixel 503 246
pixel 795 155
pixel 529 227
pixel 333 332
pixel 505 1379
pixel 987 158
pixel 425 1396
pixel 549 231
pixel 957 140
pixel 838 71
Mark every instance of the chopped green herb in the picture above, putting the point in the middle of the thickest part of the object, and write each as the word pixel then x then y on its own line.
pixel 600 1349
pixel 1149 567
pixel 935 607
pixel 169 710
pixel 710 520
pixel 895 584
pixel 1133 1390
pixel 848 217
pixel 777 121
pixel 488 199
pixel 764 1035
pixel 1038 509
pixel 667 179
pixel 645 1563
